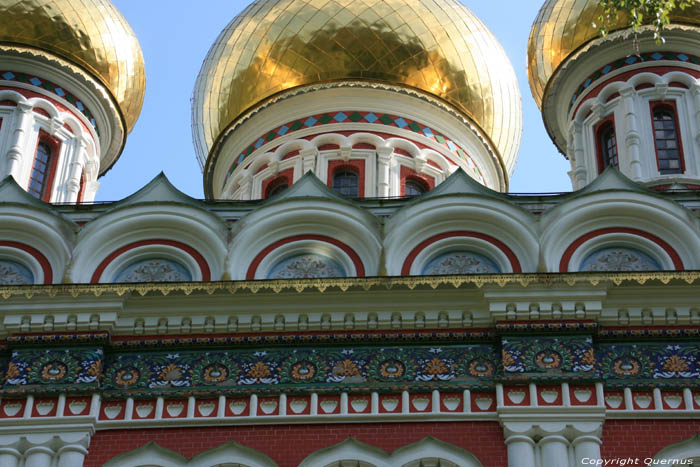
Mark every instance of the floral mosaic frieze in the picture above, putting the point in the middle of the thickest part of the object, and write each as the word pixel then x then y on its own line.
pixel 548 357
pixel 651 363
pixel 318 368
pixel 54 369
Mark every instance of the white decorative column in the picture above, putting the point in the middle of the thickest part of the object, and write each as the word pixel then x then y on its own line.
pixel 246 185
pixel 77 161
pixel 633 138
pixel 308 157
pixel 695 91
pixel 38 456
pixel 10 457
pixel 580 172
pixel 586 448
pixel 521 451
pixel 384 171
pixel 72 455
pixel 555 451
pixel 23 119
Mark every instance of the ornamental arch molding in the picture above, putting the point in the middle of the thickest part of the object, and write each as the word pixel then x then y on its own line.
pixel 287 226
pixel 427 452
pixel 637 220
pixel 491 227
pixel 33 235
pixel 230 454
pixel 188 236
pixel 675 454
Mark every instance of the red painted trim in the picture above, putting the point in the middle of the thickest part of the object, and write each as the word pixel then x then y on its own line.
pixel 359 267
pixel 566 258
pixel 671 106
pixel 203 266
pixel 598 133
pixel 514 262
pixel 354 165
pixel 408 173
pixel 38 255
pixel 81 190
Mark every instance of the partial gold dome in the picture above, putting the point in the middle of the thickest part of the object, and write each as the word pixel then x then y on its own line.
pixel 435 46
pixel 89 33
pixel 563 26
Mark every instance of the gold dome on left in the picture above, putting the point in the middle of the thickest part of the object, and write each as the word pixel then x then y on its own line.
pixel 91 34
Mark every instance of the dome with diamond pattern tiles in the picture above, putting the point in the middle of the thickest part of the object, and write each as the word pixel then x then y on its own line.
pixel 89 34
pixel 435 46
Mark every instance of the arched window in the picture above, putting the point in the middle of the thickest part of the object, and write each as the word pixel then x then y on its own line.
pixel 276 187
pixel 669 152
pixel 619 259
pixel 414 188
pixel 40 178
pixel 154 270
pixel 607 146
pixel 346 182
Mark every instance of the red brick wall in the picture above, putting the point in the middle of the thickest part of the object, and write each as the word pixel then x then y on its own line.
pixel 288 445
pixel 644 438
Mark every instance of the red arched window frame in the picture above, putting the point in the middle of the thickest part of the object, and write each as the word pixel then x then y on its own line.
pixel 46 183
pixel 605 151
pixel 276 185
pixel 356 166
pixel 410 175
pixel 667 106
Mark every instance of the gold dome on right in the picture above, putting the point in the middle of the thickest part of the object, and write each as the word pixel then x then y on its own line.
pixel 564 26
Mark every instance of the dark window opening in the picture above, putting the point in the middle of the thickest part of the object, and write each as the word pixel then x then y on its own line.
pixel 39 178
pixel 608 146
pixel 276 188
pixel 666 139
pixel 414 188
pixel 347 183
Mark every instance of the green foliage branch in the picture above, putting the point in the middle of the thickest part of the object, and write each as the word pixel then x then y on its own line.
pixel 641 12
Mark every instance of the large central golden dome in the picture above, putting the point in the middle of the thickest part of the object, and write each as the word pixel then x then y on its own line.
pixel 91 34
pixel 435 46
pixel 564 26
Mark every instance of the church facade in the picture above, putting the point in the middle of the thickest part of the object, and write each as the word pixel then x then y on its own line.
pixel 358 288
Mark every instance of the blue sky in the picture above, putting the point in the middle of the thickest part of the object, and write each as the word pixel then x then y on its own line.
pixel 175 36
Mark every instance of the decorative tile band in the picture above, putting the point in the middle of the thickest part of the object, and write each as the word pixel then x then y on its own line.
pixel 302 369
pixel 52 88
pixel 352 116
pixel 633 60
pixel 351 368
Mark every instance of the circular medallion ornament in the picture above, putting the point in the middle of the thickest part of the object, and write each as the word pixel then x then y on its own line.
pixel 392 369
pixel 53 371
pixel 626 366
pixel 548 360
pixel 303 371
pixel 127 376
pixel 304 368
pixel 481 368
pixel 53 368
pixel 215 373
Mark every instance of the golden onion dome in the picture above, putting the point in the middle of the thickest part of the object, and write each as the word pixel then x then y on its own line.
pixel 435 46
pixel 564 26
pixel 91 34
